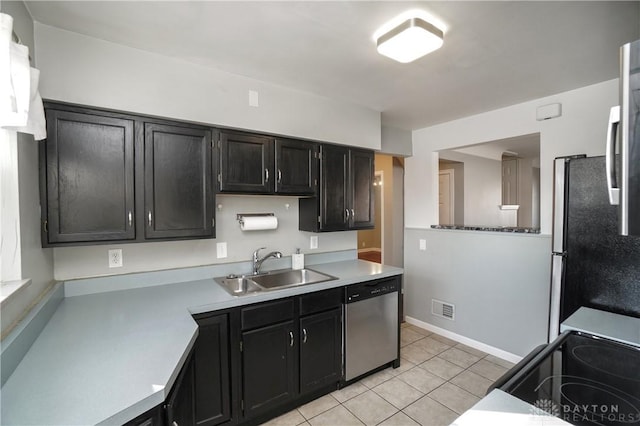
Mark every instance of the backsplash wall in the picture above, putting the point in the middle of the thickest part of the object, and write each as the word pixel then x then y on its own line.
pixel 92 261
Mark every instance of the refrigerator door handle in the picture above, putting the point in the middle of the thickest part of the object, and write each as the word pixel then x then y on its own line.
pixel 612 129
pixel 557 267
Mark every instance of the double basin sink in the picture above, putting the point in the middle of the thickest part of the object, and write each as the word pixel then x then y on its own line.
pixel 242 285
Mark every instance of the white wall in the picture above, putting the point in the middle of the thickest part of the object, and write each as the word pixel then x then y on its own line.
pixel 484 272
pixel 581 129
pixel 80 69
pixel 396 141
pixel 482 189
pixel 498 283
pixel 91 261
pixel 88 71
pixel 22 256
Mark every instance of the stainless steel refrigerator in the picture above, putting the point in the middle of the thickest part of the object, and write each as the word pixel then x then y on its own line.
pixel 592 265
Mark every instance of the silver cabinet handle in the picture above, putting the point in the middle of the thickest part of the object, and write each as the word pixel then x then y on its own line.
pixel 279 176
pixel 130 219
pixel 150 218
pixel 304 335
pixel 291 338
pixel 353 214
pixel 346 215
pixel 612 128
pixel 266 175
pixel 175 423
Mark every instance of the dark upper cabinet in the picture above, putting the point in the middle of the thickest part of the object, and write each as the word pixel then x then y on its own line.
pixel 296 167
pixel 109 177
pixel 345 200
pixel 246 163
pixel 256 164
pixel 87 178
pixel 320 350
pixel 361 197
pixel 212 371
pixel 178 184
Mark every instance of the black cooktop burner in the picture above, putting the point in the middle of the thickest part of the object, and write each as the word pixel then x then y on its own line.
pixel 617 361
pixel 584 380
pixel 586 401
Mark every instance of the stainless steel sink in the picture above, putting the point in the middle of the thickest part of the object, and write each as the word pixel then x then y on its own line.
pixel 290 278
pixel 238 286
pixel 249 284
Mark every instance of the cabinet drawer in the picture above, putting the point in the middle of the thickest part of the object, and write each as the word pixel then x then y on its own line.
pixel 266 313
pixel 321 301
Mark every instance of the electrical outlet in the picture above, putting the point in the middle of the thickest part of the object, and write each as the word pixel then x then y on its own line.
pixel 115 258
pixel 423 244
pixel 313 242
pixel 221 250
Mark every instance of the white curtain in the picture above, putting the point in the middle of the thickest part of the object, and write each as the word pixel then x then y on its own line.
pixel 21 107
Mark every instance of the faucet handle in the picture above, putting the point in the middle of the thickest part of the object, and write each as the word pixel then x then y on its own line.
pixel 255 253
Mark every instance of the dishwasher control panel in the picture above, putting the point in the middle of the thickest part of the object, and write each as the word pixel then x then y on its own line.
pixel 369 289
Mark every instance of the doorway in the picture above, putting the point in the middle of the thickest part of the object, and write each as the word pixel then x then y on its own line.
pixel 446 196
pixel 385 243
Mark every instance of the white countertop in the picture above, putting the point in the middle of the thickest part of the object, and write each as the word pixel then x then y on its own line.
pixel 500 408
pixel 606 324
pixel 106 358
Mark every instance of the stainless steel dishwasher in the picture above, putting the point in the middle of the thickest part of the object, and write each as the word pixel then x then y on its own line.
pixel 371 326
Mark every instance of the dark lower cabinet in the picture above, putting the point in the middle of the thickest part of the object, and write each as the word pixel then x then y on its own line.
pixel 212 371
pixel 179 405
pixel 320 350
pixel 268 367
pixel 153 417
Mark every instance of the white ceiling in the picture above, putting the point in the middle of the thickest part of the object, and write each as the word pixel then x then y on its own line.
pixel 495 54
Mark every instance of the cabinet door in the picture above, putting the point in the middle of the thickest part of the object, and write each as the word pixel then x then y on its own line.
pixel 320 350
pixel 269 367
pixel 177 182
pixel 333 193
pixel 246 163
pixel 89 178
pixel 211 366
pixel 361 175
pixel 180 402
pixel 296 167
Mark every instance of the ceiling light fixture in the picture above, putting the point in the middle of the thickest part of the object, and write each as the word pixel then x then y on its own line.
pixel 408 37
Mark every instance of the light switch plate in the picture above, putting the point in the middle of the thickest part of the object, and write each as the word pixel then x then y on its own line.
pixel 313 242
pixel 423 244
pixel 221 250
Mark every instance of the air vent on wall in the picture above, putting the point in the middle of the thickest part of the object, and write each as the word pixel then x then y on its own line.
pixel 443 309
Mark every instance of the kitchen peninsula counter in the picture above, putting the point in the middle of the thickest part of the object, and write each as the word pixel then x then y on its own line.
pixel 512 229
pixel 107 357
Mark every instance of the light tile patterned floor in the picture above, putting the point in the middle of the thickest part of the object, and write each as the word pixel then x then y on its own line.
pixel 438 379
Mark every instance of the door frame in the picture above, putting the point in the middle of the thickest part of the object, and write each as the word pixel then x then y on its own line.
pixel 452 193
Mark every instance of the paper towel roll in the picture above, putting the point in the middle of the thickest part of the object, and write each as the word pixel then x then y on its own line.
pixel 258 223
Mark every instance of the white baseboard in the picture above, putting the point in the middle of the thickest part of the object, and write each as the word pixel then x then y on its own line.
pixel 508 356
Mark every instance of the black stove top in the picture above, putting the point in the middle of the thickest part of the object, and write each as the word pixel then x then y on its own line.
pixel 582 379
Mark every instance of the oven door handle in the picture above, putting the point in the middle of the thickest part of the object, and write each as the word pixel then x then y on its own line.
pixel 516 368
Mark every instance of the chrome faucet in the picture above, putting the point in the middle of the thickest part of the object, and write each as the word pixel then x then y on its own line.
pixel 257 263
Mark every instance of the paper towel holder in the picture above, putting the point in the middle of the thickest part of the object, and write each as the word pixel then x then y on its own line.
pixel 241 216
